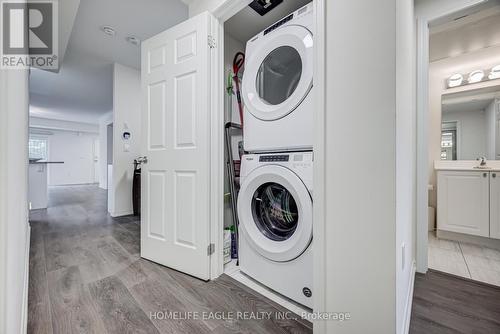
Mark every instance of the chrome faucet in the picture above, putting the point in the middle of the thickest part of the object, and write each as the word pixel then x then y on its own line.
pixel 482 161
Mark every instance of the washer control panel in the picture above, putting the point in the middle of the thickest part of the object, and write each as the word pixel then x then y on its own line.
pixel 274 158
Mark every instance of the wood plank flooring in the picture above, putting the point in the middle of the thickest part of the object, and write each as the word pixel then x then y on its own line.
pixel 86 276
pixel 443 303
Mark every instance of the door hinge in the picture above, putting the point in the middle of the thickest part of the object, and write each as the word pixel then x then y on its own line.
pixel 211 42
pixel 210 249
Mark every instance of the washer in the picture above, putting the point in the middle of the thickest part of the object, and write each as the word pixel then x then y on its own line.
pixel 276 229
pixel 277 86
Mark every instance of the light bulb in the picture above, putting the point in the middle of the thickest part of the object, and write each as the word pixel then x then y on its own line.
pixel 476 76
pixel 495 73
pixel 455 80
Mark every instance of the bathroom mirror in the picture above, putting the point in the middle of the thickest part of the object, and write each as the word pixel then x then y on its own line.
pixel 470 124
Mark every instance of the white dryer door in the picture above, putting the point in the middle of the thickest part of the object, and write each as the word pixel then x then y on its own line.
pixel 279 73
pixel 275 212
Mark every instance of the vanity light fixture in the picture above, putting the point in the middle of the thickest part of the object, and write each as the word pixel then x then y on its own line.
pixel 476 76
pixel 495 73
pixel 455 80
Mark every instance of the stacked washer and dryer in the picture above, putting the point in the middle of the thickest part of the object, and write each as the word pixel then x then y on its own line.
pixel 275 198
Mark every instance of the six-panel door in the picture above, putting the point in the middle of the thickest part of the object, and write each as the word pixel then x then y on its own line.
pixel 175 221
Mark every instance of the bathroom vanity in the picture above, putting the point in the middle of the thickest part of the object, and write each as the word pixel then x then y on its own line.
pixel 468 198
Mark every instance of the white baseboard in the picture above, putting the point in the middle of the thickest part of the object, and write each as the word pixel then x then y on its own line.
pixel 409 300
pixel 24 315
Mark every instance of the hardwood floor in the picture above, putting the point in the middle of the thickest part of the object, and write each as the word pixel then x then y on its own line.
pixel 443 303
pixel 86 276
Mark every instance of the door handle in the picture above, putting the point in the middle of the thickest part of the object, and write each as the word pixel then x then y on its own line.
pixel 494 175
pixel 485 174
pixel 142 160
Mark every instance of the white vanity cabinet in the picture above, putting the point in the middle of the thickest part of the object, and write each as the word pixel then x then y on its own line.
pixel 464 202
pixel 495 205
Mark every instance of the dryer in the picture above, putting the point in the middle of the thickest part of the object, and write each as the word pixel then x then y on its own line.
pixel 277 86
pixel 276 229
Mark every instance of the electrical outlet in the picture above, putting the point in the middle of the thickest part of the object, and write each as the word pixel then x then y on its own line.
pixel 403 255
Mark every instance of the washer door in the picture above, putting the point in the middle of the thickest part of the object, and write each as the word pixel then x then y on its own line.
pixel 275 211
pixel 279 74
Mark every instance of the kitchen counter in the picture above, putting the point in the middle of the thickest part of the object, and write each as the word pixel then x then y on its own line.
pixel 45 162
pixel 466 165
pixel 38 190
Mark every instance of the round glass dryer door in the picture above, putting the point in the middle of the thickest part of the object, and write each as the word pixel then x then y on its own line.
pixel 275 212
pixel 279 72
pixel 279 75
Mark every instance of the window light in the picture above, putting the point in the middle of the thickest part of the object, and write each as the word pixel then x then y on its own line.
pixel 476 76
pixel 455 80
pixel 495 73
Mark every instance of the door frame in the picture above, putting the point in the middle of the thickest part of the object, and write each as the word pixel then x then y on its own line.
pixel 224 11
pixel 423 39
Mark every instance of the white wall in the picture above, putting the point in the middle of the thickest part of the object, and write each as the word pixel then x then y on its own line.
pixel 472 133
pixel 199 6
pixel 104 121
pixel 76 150
pixel 406 153
pixel 126 113
pixel 359 237
pixel 14 228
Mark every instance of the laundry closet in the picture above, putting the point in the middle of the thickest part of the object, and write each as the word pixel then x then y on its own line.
pixel 268 62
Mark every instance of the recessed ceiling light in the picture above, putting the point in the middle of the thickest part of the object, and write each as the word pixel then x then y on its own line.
pixel 455 80
pixel 108 30
pixel 495 73
pixel 476 76
pixel 133 40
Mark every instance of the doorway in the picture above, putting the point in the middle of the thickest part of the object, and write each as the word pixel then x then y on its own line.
pixel 447 116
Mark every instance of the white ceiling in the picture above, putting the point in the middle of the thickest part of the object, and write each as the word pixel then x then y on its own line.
pixel 467 34
pixel 82 90
pixel 142 19
pixel 248 23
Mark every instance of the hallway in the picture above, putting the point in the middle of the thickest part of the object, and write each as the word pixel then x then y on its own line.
pixel 86 276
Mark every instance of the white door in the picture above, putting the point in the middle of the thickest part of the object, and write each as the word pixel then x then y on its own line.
pixel 175 221
pixel 463 202
pixel 495 205
pixel 96 160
